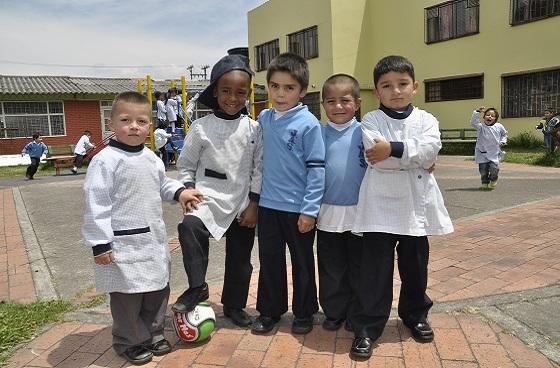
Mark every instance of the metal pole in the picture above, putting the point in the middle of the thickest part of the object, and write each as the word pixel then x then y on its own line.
pixel 150 94
pixel 184 102
pixel 139 85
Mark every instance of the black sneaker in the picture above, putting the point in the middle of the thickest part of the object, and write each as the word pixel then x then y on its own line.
pixel 138 355
pixel 190 298
pixel 159 348
pixel 264 324
pixel 302 325
pixel 238 316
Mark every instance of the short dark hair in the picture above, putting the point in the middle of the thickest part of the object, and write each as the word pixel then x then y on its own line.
pixel 87 132
pixel 36 135
pixel 551 110
pixel 158 94
pixel 132 97
pixel 342 78
pixel 392 63
pixel 290 63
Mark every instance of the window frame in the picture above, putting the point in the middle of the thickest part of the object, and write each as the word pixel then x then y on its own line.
pixel 456 79
pixel 454 33
pixel 305 40
pixel 528 97
pixel 4 133
pixel 271 48
pixel 550 4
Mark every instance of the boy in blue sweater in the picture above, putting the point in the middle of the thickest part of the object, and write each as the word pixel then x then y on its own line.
pixel 35 150
pixel 345 166
pixel 292 188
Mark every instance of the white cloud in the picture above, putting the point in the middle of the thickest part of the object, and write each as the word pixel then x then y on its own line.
pixel 170 35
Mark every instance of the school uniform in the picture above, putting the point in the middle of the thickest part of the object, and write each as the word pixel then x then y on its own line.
pixel 487 152
pixel 399 203
pixel 293 184
pixel 35 151
pixel 123 189
pixel 345 166
pixel 222 158
pixel 80 150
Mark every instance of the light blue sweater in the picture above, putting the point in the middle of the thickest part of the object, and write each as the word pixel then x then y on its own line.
pixel 293 162
pixel 34 149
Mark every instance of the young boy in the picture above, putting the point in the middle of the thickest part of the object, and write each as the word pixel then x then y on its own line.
pixel 161 111
pixel 123 223
pixel 345 166
pixel 160 139
pixel 222 157
pixel 399 203
pixel 81 149
pixel 293 183
pixel 35 150
pixel 549 126
pixel 490 137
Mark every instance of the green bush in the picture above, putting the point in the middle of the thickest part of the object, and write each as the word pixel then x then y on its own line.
pixel 525 140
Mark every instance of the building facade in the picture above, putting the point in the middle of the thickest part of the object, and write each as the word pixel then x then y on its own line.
pixel 466 53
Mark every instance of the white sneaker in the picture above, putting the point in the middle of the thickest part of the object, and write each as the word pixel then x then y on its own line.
pixel 74 170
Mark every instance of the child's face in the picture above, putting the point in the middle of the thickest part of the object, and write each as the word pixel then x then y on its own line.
pixel 38 139
pixel 131 122
pixel 490 117
pixel 547 115
pixel 232 91
pixel 395 90
pixel 339 103
pixel 284 91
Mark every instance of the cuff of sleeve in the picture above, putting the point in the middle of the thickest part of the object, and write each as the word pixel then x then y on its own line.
pixel 397 149
pixel 254 196
pixel 178 193
pixel 100 249
pixel 189 185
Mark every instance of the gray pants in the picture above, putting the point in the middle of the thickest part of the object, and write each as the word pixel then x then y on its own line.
pixel 488 172
pixel 138 319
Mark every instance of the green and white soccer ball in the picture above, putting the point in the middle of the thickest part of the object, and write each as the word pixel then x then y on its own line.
pixel 196 325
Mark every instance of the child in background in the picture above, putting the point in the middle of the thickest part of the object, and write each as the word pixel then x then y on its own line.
pixel 549 126
pixel 345 166
pixel 81 149
pixel 123 224
pixel 399 206
pixel 160 108
pixel 222 157
pixel 35 149
pixel 171 109
pixel 490 136
pixel 161 137
pixel 293 184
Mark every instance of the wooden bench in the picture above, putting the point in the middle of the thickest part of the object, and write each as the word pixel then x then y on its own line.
pixel 61 157
pixel 467 135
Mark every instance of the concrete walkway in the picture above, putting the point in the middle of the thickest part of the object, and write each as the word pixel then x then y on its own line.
pixel 495 283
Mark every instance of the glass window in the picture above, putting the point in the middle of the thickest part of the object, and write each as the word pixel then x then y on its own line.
pixel 452 19
pixel 459 88
pixel 265 53
pixel 524 11
pixel 313 102
pixel 304 43
pixel 530 93
pixel 23 119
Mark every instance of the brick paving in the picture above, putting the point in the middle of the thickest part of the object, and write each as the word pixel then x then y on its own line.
pixel 486 256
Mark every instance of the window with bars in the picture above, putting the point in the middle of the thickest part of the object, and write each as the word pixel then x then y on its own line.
pixel 460 88
pixel 265 53
pixel 523 11
pixel 313 102
pixel 452 19
pixel 530 94
pixel 304 43
pixel 23 119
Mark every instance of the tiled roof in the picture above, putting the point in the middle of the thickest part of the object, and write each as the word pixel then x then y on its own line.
pixel 20 85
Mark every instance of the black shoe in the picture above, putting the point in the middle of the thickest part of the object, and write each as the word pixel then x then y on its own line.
pixel 264 324
pixel 302 325
pixel 138 355
pixel 238 316
pixel 159 348
pixel 332 324
pixel 190 298
pixel 361 347
pixel 421 331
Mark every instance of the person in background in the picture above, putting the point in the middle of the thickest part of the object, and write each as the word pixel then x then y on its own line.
pixel 35 149
pixel 171 109
pixel 81 149
pixel 549 125
pixel 161 137
pixel 160 108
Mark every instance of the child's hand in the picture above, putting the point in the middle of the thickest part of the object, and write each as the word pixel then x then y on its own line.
pixel 248 217
pixel 105 258
pixel 379 152
pixel 305 223
pixel 482 109
pixel 189 198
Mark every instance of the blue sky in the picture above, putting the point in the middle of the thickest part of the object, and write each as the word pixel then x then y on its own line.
pixel 138 37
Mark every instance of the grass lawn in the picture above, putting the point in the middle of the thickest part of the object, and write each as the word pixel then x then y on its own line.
pixel 11 172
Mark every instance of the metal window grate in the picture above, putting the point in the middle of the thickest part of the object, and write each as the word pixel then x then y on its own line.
pixel 23 119
pixel 305 43
pixel 265 53
pixel 452 19
pixel 313 102
pixel 523 11
pixel 530 94
pixel 455 89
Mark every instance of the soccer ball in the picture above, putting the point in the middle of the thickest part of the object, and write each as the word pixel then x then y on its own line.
pixel 196 325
